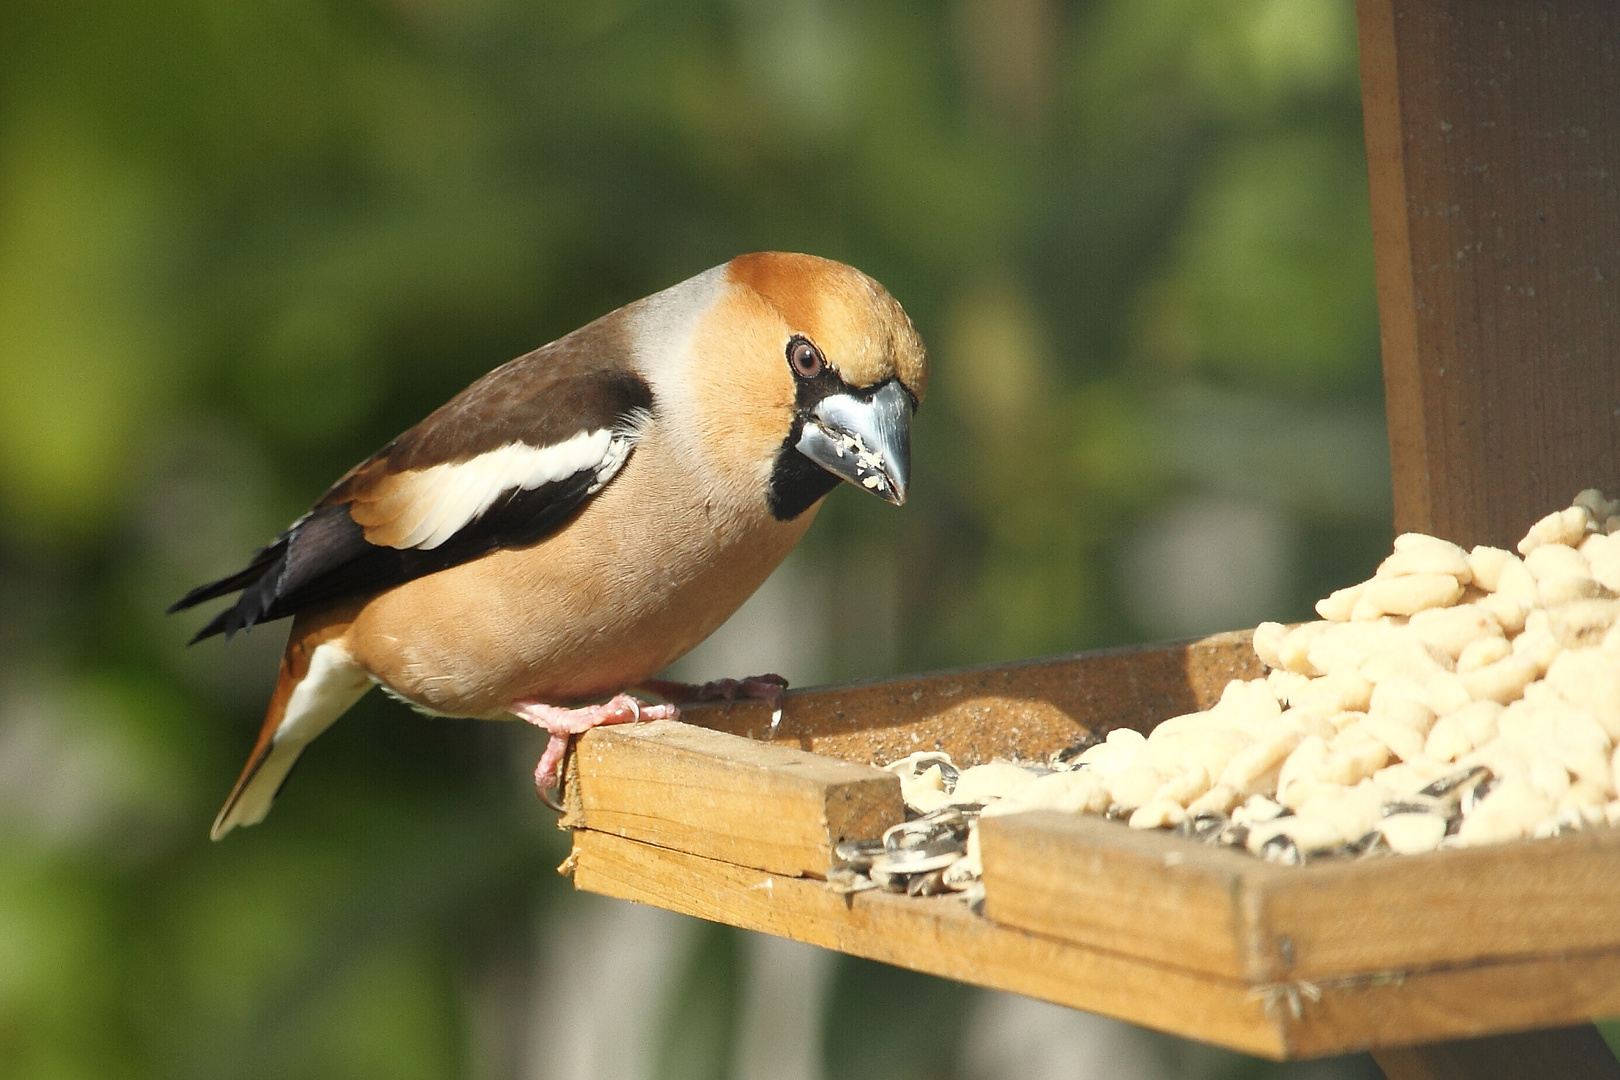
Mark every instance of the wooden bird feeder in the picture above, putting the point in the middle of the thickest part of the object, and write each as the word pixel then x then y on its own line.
pixel 1493 144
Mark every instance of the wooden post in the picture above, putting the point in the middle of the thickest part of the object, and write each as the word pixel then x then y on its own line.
pixel 1493 149
pixel 1493 146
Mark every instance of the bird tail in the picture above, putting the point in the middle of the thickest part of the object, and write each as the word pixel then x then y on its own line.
pixel 319 681
pixel 257 582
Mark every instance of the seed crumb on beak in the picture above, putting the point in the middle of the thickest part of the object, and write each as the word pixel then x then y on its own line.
pixel 866 459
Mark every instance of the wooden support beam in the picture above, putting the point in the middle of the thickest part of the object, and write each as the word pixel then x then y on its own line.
pixel 1493 150
pixel 1493 147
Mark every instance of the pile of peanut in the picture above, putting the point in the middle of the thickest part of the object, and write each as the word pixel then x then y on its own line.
pixel 1455 698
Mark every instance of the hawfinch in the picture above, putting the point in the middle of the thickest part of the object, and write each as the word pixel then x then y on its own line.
pixel 574 521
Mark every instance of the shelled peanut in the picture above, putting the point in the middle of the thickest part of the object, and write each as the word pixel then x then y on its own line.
pixel 1455 698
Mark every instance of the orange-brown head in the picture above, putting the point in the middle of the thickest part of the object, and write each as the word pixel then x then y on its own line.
pixel 809 371
pixel 860 329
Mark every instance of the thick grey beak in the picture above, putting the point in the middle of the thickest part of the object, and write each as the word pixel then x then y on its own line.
pixel 867 443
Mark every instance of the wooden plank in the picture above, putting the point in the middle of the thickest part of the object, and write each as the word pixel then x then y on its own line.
pixel 1577 1053
pixel 1454 1003
pixel 936 935
pixel 1145 894
pixel 941 937
pixel 1493 146
pixel 1223 912
pixel 1023 710
pixel 706 792
pixel 1533 897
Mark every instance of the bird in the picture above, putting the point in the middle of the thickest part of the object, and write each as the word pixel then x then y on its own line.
pixel 577 519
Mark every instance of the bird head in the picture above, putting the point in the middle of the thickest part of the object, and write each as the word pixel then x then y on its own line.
pixel 821 372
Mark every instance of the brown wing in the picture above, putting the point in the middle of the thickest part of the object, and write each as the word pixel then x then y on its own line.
pixel 503 464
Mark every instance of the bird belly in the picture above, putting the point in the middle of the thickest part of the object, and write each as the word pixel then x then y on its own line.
pixel 625 589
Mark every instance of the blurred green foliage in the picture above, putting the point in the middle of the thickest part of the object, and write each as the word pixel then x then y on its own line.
pixel 244 244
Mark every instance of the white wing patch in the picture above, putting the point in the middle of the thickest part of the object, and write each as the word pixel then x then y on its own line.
pixel 434 504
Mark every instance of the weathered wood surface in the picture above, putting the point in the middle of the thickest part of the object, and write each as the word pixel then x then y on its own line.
pixel 1225 913
pixel 940 936
pixel 750 803
pixel 1493 146
pixel 1022 710
pixel 726 793
pixel 711 786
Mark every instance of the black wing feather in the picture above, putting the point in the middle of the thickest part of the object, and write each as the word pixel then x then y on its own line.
pixel 325 557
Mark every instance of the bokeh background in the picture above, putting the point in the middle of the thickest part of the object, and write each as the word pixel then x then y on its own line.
pixel 242 244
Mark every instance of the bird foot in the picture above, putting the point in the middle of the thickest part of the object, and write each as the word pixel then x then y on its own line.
pixel 562 724
pixel 768 688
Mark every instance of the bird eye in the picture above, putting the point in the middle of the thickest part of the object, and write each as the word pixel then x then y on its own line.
pixel 804 357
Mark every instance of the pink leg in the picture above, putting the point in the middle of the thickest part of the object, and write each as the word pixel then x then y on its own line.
pixel 561 724
pixel 767 688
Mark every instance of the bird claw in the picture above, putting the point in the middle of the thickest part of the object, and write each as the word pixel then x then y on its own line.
pixel 562 724
pixel 769 688
pixel 755 687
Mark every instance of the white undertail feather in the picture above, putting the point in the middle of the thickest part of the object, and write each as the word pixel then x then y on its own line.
pixel 333 684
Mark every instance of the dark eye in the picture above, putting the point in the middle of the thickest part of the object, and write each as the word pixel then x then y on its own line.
pixel 805 358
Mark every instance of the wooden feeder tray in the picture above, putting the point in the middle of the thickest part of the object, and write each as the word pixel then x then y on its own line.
pixel 1209 943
